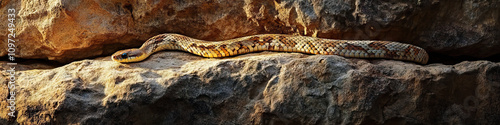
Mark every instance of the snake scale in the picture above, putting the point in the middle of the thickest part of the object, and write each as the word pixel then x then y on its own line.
pixel 274 42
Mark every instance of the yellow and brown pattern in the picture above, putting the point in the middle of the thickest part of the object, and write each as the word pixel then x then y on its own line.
pixel 275 42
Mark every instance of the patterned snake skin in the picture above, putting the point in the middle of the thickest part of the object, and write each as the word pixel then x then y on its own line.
pixel 277 42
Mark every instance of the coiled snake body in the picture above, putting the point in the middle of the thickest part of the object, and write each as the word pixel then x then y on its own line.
pixel 275 42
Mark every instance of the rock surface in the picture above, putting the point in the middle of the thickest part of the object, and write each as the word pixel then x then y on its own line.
pixel 72 30
pixel 258 88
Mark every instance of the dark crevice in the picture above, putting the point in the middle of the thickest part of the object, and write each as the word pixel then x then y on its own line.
pixel 130 9
pixel 450 60
pixel 34 63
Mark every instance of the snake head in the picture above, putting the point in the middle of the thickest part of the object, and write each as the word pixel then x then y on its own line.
pixel 129 55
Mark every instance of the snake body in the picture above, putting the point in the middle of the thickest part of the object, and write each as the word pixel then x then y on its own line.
pixel 275 42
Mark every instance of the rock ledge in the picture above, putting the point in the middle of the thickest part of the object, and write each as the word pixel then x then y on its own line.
pixel 258 88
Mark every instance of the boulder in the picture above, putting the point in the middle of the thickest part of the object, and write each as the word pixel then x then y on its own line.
pixel 258 88
pixel 65 31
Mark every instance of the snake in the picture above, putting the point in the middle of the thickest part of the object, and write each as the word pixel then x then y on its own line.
pixel 274 42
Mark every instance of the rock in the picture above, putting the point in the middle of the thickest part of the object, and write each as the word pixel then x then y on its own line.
pixel 72 30
pixel 259 88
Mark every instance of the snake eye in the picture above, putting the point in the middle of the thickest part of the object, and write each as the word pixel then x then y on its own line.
pixel 124 55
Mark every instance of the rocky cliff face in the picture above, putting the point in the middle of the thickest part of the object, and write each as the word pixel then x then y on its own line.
pixel 72 30
pixel 260 88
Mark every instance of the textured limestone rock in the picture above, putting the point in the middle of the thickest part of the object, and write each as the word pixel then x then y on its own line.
pixel 261 88
pixel 72 30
